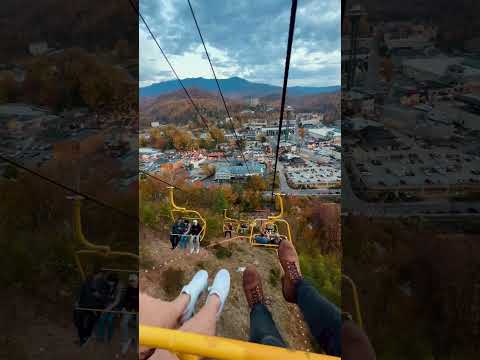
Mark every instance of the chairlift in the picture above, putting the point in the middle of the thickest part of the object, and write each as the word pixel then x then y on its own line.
pixel 177 212
pixel 93 250
pixel 238 226
pixel 273 225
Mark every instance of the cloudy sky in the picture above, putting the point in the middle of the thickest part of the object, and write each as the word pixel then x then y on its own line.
pixel 245 38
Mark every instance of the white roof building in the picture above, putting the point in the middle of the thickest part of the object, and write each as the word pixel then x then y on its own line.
pixel 435 68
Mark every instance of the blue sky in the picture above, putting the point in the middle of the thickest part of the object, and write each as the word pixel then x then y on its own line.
pixel 245 38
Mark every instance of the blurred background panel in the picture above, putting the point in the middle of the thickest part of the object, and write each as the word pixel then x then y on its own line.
pixel 68 137
pixel 410 130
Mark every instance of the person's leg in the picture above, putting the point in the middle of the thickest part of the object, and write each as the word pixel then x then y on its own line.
pixel 261 240
pixel 109 326
pixel 166 314
pixel 172 240
pixel 100 327
pixel 158 313
pixel 89 322
pixel 197 243
pixel 262 327
pixel 124 327
pixel 83 332
pixel 78 322
pixel 323 318
pixel 204 322
pixel 190 243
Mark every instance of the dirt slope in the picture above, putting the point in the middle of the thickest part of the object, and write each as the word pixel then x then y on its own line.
pixel 234 323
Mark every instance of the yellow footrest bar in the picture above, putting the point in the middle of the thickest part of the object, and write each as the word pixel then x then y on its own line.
pixel 218 347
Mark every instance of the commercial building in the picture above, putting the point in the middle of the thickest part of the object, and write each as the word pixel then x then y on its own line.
pixel 273 131
pixel 226 172
pixel 455 68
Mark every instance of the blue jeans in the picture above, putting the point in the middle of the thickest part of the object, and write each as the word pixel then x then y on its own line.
pixel 184 241
pixel 261 240
pixel 124 326
pixel 323 318
pixel 105 323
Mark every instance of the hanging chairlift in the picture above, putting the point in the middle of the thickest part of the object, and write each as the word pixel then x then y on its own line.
pixel 92 250
pixel 272 225
pixel 177 212
pixel 238 226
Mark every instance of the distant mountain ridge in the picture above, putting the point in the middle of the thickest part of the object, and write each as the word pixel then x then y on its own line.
pixel 232 87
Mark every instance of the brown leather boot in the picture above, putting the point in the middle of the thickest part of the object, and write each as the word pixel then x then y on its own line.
pixel 291 268
pixel 252 286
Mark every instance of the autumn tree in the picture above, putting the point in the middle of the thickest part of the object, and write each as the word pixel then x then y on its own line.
pixel 143 141
pixel 182 140
pixel 219 202
pixel 301 133
pixel 208 170
pixel 256 183
pixel 217 135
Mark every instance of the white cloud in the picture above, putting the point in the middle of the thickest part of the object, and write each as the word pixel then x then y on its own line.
pixel 248 42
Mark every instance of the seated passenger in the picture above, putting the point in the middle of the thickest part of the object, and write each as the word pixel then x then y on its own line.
pixel 93 293
pixel 116 292
pixel 243 229
pixel 177 230
pixel 228 230
pixel 275 238
pixel 262 239
pixel 185 237
pixel 269 229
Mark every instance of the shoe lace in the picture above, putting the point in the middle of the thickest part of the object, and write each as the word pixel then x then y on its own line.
pixel 256 295
pixel 292 271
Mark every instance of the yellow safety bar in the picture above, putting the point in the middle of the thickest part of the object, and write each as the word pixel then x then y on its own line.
pixel 278 196
pixel 226 217
pixel 196 345
pixel 273 220
pixel 91 248
pixel 356 301
pixel 186 213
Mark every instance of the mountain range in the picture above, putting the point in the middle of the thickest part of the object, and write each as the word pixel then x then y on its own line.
pixel 174 107
pixel 232 87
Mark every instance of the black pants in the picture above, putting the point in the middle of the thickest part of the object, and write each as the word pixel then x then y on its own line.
pixel 174 240
pixel 84 322
pixel 229 232
pixel 323 319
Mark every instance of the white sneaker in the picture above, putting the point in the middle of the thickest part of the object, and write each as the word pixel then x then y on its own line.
pixel 198 250
pixel 194 288
pixel 221 287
